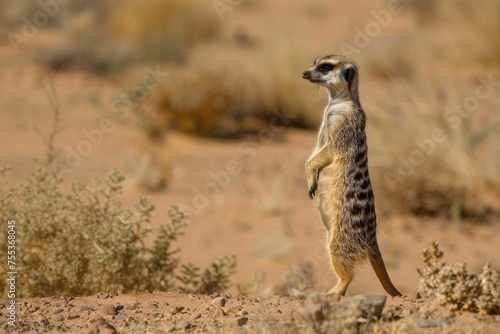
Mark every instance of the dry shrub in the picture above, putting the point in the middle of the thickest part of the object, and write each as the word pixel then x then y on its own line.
pixel 253 286
pixel 455 288
pixel 455 178
pixel 240 92
pixel 105 37
pixel 477 37
pixel 202 103
pixel 299 281
pixel 93 52
pixel 163 30
pixel 428 160
pixel 83 241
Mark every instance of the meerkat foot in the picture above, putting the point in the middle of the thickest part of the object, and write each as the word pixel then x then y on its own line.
pixel 340 288
pixel 334 291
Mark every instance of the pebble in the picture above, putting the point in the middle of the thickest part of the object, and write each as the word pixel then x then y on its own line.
pixel 107 310
pixel 57 310
pixel 100 327
pixel 219 302
pixel 87 308
pixel 242 321
pixel 183 325
pixel 215 312
pixel 375 303
pixel 243 312
pixel 177 309
pixel 73 315
pixel 57 317
pixel 413 296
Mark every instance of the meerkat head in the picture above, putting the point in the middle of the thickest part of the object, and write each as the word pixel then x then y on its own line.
pixel 339 74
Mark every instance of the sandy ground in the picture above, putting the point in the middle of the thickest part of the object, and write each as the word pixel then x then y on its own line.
pixel 162 312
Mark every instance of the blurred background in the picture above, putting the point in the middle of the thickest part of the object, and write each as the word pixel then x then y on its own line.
pixel 201 103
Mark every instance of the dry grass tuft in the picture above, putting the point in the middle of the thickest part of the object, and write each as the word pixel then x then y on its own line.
pixel 427 158
pixel 162 30
pixel 106 37
pixel 455 288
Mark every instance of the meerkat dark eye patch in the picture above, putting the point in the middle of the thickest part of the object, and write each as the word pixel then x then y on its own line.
pixel 325 68
pixel 348 74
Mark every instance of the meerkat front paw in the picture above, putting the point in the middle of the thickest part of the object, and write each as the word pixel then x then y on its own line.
pixel 312 191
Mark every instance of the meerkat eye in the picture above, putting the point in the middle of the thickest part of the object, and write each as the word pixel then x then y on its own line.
pixel 325 68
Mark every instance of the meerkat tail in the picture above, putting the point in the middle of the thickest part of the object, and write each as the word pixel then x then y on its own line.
pixel 379 267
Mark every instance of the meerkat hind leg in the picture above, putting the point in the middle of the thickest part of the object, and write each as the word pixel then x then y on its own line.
pixel 345 275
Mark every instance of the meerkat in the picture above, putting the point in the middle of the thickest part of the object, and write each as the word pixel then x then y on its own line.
pixel 338 171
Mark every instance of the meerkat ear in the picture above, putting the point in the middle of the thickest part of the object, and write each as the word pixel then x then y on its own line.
pixel 348 74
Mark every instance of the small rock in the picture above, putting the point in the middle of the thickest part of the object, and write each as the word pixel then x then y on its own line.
pixel 95 318
pixel 228 295
pixel 176 309
pixel 215 312
pixel 183 325
pixel 57 317
pixel 427 323
pixel 309 312
pixel 107 310
pixel 57 310
pixel 242 321
pixel 218 301
pixel 196 316
pixel 413 296
pixel 243 312
pixel 73 315
pixel 120 316
pixel 376 304
pixel 103 295
pixel 372 305
pixel 100 327
pixel 119 307
pixel 87 308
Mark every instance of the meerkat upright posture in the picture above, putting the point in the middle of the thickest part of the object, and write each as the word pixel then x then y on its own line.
pixel 338 170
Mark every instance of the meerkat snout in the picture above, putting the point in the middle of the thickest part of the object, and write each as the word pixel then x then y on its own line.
pixel 306 75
